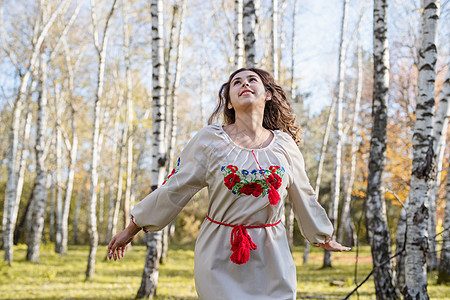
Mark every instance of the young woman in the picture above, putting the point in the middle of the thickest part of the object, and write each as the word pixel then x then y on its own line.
pixel 250 166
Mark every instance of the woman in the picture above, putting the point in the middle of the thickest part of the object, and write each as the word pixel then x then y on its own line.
pixel 249 166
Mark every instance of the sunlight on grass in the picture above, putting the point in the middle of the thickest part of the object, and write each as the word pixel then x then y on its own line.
pixel 63 277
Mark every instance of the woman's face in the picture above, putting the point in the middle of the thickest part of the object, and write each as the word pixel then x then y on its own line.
pixel 247 90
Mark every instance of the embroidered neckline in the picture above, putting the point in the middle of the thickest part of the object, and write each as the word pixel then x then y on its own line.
pixel 274 132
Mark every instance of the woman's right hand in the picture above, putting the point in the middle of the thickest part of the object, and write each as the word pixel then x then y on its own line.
pixel 118 244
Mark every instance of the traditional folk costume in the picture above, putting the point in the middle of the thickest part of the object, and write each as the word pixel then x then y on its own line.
pixel 242 250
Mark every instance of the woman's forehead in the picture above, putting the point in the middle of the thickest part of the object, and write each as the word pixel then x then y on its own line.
pixel 244 74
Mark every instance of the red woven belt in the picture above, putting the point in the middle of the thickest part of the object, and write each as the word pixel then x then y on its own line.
pixel 241 242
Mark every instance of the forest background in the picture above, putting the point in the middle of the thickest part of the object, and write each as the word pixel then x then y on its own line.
pixel 62 63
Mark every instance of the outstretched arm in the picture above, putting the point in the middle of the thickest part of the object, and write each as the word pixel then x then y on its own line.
pixel 116 248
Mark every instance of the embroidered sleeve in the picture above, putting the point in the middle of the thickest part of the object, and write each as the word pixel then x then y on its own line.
pixel 311 217
pixel 188 176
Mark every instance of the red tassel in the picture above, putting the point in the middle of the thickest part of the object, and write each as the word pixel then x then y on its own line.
pixel 241 244
pixel 274 197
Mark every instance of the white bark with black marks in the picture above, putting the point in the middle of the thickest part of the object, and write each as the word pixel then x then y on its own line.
pixel 440 137
pixel 92 207
pixel 345 226
pixel 423 164
pixel 376 221
pixel 249 23
pixel 239 34
pixel 151 268
pixel 274 39
pixel 39 190
pixel 335 191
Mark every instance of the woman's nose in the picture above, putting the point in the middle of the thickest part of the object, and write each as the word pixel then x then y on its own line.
pixel 245 83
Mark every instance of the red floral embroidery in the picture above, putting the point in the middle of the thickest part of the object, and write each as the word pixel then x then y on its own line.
pixel 274 180
pixel 258 182
pixel 231 180
pixel 273 168
pixel 232 168
pixel 252 188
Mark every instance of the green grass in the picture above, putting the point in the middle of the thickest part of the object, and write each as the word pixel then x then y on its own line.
pixel 63 277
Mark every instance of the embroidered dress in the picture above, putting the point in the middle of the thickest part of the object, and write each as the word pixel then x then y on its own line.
pixel 247 190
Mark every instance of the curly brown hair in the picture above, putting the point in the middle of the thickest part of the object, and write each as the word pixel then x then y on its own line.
pixel 278 114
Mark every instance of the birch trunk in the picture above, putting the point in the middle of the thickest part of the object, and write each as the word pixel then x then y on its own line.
pixel 400 240
pixel 249 24
pixel 21 172
pixel 274 35
pixel 11 185
pixel 129 118
pixel 423 165
pixel 39 190
pixel 119 187
pixel 294 14
pixel 345 226
pixel 239 34
pixel 58 183
pixel 440 137
pixel 376 221
pixel 333 210
pixel 77 212
pixel 444 264
pixel 92 214
pixel 153 255
pixel 173 116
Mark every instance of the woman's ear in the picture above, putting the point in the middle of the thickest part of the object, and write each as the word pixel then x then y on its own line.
pixel 268 95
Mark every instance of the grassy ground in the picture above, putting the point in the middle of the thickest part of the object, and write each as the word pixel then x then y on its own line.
pixel 63 277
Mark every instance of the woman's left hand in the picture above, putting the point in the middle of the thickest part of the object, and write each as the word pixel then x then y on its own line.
pixel 334 246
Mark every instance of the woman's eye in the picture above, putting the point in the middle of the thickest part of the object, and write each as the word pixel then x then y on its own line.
pixel 254 79
pixel 236 82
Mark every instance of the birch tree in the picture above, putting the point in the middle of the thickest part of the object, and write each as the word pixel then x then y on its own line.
pixel 11 191
pixel 40 188
pixel 444 264
pixel 333 210
pixel 129 113
pixel 423 165
pixel 376 221
pixel 92 215
pixel 153 239
pixel 440 137
pixel 239 34
pixel 274 39
pixel 72 147
pixel 345 226
pixel 249 23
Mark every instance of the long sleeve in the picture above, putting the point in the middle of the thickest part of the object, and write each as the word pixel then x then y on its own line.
pixel 162 205
pixel 311 217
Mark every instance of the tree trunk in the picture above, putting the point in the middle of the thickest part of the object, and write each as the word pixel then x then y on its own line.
pixel 294 14
pixel 444 264
pixel 249 23
pixel 440 137
pixel 92 214
pixel 129 119
pixel 274 39
pixel 376 221
pixel 11 194
pixel 239 34
pixel 423 165
pixel 151 268
pixel 39 190
pixel 400 240
pixel 72 148
pixel 345 226
pixel 333 210
pixel 58 183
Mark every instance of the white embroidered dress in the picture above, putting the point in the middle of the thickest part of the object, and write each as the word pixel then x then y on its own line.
pixel 238 195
